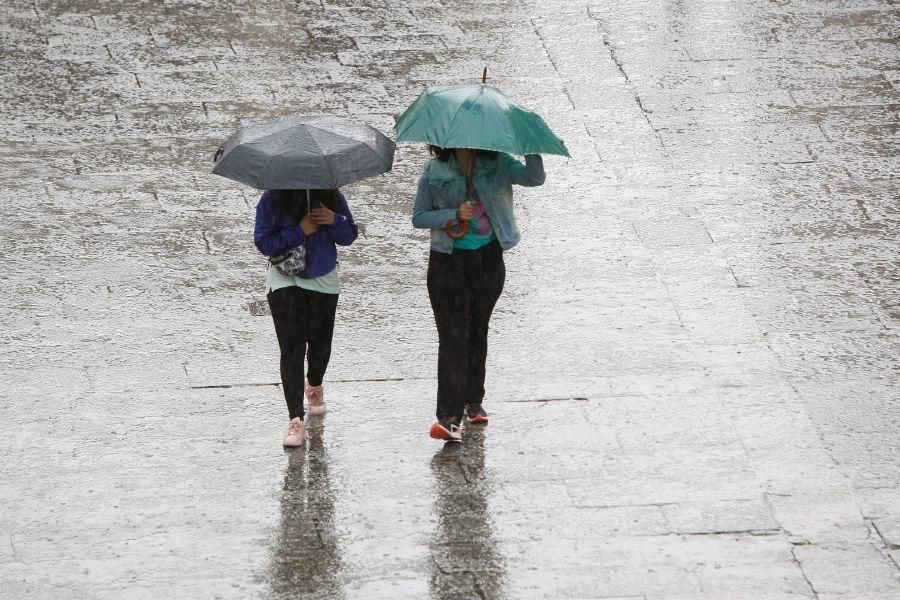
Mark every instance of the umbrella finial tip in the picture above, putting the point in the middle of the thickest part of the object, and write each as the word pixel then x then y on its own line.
pixel 484 76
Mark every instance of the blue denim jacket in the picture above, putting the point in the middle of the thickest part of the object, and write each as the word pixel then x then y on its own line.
pixel 442 187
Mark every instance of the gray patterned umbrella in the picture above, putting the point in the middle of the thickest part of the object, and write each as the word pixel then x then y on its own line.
pixel 320 152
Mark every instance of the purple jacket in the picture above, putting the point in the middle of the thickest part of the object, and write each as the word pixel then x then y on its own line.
pixel 275 234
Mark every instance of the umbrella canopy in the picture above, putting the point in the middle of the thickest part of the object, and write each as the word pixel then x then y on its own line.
pixel 319 152
pixel 476 116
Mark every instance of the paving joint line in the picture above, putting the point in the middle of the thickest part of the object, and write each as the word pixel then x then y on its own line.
pixel 278 383
pixel 637 97
pixel 546 400
pixel 653 504
pixel 206 241
pixel 799 564
pixel 537 31
pixel 887 546
pixel 751 532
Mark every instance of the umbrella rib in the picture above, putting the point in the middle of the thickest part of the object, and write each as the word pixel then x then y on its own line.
pixel 324 157
pixel 459 110
pixel 363 142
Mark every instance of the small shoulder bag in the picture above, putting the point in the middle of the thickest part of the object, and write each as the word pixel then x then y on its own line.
pixel 290 262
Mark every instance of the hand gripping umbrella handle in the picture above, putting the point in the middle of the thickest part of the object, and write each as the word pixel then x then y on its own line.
pixel 463 225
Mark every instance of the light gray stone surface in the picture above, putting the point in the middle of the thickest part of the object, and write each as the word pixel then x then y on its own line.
pixel 693 368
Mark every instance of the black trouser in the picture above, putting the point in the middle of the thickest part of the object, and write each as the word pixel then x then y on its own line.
pixel 463 288
pixel 302 317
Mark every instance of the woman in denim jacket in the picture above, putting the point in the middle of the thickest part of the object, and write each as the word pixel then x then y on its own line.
pixel 466 274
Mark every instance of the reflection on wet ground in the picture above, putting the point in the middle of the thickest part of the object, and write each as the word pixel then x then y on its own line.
pixel 305 560
pixel 467 562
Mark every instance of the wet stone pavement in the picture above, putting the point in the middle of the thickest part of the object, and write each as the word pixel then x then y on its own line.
pixel 694 366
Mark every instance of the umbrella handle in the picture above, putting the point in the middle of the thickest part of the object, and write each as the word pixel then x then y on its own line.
pixel 463 229
pixel 463 225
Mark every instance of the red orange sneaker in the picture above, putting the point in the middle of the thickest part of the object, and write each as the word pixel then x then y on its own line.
pixel 447 429
pixel 476 414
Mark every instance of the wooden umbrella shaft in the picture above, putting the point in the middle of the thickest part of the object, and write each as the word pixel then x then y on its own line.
pixel 467 163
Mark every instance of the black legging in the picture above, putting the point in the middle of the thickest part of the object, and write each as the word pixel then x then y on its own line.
pixel 463 288
pixel 302 317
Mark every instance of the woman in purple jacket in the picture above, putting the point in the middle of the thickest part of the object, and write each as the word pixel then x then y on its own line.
pixel 305 226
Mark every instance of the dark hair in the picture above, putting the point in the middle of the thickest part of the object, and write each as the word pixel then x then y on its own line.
pixel 293 202
pixel 444 154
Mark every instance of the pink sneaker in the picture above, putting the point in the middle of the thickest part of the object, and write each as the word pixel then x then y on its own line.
pixel 316 396
pixel 296 433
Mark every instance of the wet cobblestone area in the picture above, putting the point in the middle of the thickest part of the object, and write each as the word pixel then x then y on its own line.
pixel 694 365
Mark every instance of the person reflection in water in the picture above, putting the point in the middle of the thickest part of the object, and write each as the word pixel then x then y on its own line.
pixel 465 198
pixel 465 560
pixel 298 231
pixel 305 560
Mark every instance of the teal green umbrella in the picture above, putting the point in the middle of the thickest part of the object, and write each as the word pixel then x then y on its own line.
pixel 475 115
